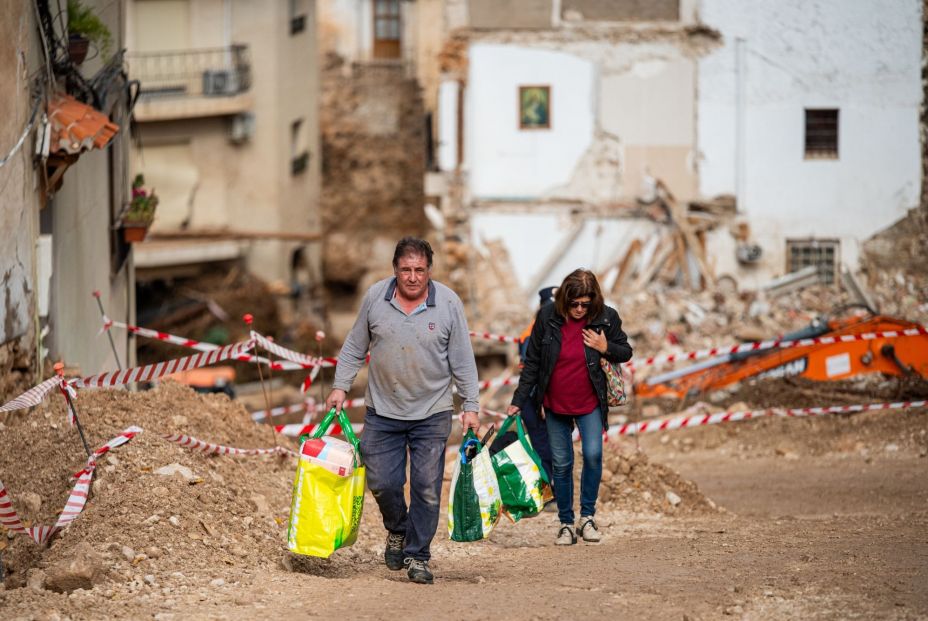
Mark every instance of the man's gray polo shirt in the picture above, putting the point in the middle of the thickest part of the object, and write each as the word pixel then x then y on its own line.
pixel 413 357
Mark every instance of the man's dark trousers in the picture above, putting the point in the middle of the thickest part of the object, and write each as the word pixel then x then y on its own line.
pixel 384 443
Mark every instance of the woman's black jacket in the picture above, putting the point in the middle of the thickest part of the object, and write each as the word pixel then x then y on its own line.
pixel 544 346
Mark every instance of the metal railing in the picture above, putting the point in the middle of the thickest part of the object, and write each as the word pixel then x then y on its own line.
pixel 213 72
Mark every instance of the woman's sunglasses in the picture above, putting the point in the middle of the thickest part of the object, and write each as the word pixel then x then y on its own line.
pixel 580 304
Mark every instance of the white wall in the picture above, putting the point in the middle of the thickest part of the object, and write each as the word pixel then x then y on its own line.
pixel 504 161
pixel 862 57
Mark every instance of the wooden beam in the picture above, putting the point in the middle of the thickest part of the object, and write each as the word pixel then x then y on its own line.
pixel 234 234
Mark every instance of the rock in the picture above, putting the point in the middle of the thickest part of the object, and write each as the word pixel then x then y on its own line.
pixel 174 520
pixel 741 406
pixel 150 579
pixel 153 552
pixel 651 411
pixel 180 420
pixel 605 492
pixel 82 571
pixel 176 468
pixel 750 333
pixel 260 503
pixel 112 460
pixel 625 467
pixel 31 501
pixel 607 475
pixel 35 579
pixel 128 552
pixel 154 519
pixel 734 610
pixel 891 448
pixel 218 582
pixel 673 499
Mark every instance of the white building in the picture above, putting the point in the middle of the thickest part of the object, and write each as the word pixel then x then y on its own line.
pixel 806 111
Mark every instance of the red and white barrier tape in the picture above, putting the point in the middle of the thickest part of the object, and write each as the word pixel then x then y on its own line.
pixel 293 356
pixel 512 380
pixel 219 449
pixel 299 429
pixel 502 338
pixel 32 397
pixel 160 369
pixel 777 343
pixel 301 407
pixel 682 422
pixel 201 346
pixel 77 499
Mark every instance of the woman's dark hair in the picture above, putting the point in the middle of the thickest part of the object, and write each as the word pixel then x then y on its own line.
pixel 579 283
pixel 412 245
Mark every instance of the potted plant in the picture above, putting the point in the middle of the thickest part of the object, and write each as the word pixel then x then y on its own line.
pixel 84 28
pixel 139 213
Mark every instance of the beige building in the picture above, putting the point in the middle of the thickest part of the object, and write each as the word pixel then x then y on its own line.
pixel 63 185
pixel 228 131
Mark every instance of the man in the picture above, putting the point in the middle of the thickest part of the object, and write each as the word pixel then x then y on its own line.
pixel 418 340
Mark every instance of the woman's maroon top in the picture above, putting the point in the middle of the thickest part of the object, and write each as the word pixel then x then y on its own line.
pixel 570 390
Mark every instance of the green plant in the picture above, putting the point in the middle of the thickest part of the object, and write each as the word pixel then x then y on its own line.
pixel 83 21
pixel 141 210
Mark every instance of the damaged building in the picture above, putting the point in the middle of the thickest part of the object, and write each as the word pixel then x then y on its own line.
pixel 573 132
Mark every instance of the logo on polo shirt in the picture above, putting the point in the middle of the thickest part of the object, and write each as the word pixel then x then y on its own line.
pixel 431 326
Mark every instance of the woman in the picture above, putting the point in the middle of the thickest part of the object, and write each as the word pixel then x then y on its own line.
pixel 562 372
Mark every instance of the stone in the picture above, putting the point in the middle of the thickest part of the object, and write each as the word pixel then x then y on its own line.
pixel 82 570
pixel 673 499
pixel 176 468
pixel 218 582
pixel 35 579
pixel 31 501
pixel 180 420
pixel 260 503
pixel 154 519
pixel 150 579
pixel 891 448
pixel 651 411
pixel 153 552
pixel 128 552
pixel 607 475
pixel 174 520
pixel 625 467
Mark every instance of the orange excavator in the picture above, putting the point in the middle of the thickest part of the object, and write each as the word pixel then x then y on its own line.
pixel 903 355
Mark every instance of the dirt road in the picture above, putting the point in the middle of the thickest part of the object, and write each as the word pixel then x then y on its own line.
pixel 817 519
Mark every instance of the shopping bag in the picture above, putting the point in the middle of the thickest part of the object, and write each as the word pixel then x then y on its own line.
pixel 615 383
pixel 474 502
pixel 328 497
pixel 523 484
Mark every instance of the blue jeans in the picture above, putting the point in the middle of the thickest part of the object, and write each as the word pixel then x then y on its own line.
pixel 560 427
pixel 384 443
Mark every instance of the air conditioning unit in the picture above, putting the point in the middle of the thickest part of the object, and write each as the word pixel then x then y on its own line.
pixel 220 82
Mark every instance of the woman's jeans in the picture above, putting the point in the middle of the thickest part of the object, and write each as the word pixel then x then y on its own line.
pixel 560 428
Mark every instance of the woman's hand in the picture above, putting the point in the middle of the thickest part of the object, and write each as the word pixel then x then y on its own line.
pixel 595 340
pixel 512 410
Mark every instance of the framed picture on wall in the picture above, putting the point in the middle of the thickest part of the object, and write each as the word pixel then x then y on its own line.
pixel 534 107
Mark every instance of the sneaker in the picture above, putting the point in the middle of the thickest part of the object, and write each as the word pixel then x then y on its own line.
pixel 588 531
pixel 393 553
pixel 565 536
pixel 418 571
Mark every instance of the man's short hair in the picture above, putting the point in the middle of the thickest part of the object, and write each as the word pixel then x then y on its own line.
pixel 412 245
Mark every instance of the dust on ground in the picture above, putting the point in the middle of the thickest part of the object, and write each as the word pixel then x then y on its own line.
pixel 835 531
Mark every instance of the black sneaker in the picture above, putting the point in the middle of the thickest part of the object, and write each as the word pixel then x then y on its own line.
pixel 418 571
pixel 393 553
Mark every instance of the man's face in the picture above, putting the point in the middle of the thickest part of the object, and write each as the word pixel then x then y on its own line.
pixel 412 276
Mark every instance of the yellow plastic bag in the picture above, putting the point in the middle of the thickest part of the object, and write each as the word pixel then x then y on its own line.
pixel 325 513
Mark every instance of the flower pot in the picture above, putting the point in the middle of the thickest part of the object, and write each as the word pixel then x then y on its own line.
pixel 134 232
pixel 77 48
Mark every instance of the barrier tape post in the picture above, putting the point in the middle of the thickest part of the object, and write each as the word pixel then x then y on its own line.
pixel 96 295
pixel 249 320
pixel 59 369
pixel 319 336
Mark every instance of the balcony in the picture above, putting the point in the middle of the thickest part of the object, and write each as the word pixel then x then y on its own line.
pixel 191 83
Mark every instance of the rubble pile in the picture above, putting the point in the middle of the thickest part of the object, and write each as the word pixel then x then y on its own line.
pixel 893 265
pixel 632 483
pixel 158 514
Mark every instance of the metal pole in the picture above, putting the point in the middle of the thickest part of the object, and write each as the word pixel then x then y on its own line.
pixel 96 294
pixel 249 320
pixel 59 368
pixel 319 336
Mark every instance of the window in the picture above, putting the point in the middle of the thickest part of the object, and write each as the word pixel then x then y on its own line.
pixel 297 16
pixel 387 28
pixel 821 134
pixel 534 107
pixel 299 153
pixel 819 253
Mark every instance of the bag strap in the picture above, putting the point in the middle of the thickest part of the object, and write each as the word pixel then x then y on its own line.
pixel 509 422
pixel 469 439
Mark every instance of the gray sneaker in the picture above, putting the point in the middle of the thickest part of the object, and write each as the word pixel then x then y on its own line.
pixel 393 552
pixel 588 531
pixel 565 535
pixel 418 571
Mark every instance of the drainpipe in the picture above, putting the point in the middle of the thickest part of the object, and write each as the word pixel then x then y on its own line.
pixel 740 125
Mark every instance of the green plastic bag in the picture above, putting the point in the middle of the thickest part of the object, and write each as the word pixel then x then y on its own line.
pixel 325 513
pixel 523 484
pixel 474 502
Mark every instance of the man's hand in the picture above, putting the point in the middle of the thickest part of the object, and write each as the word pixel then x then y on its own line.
pixel 336 399
pixel 469 420
pixel 512 410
